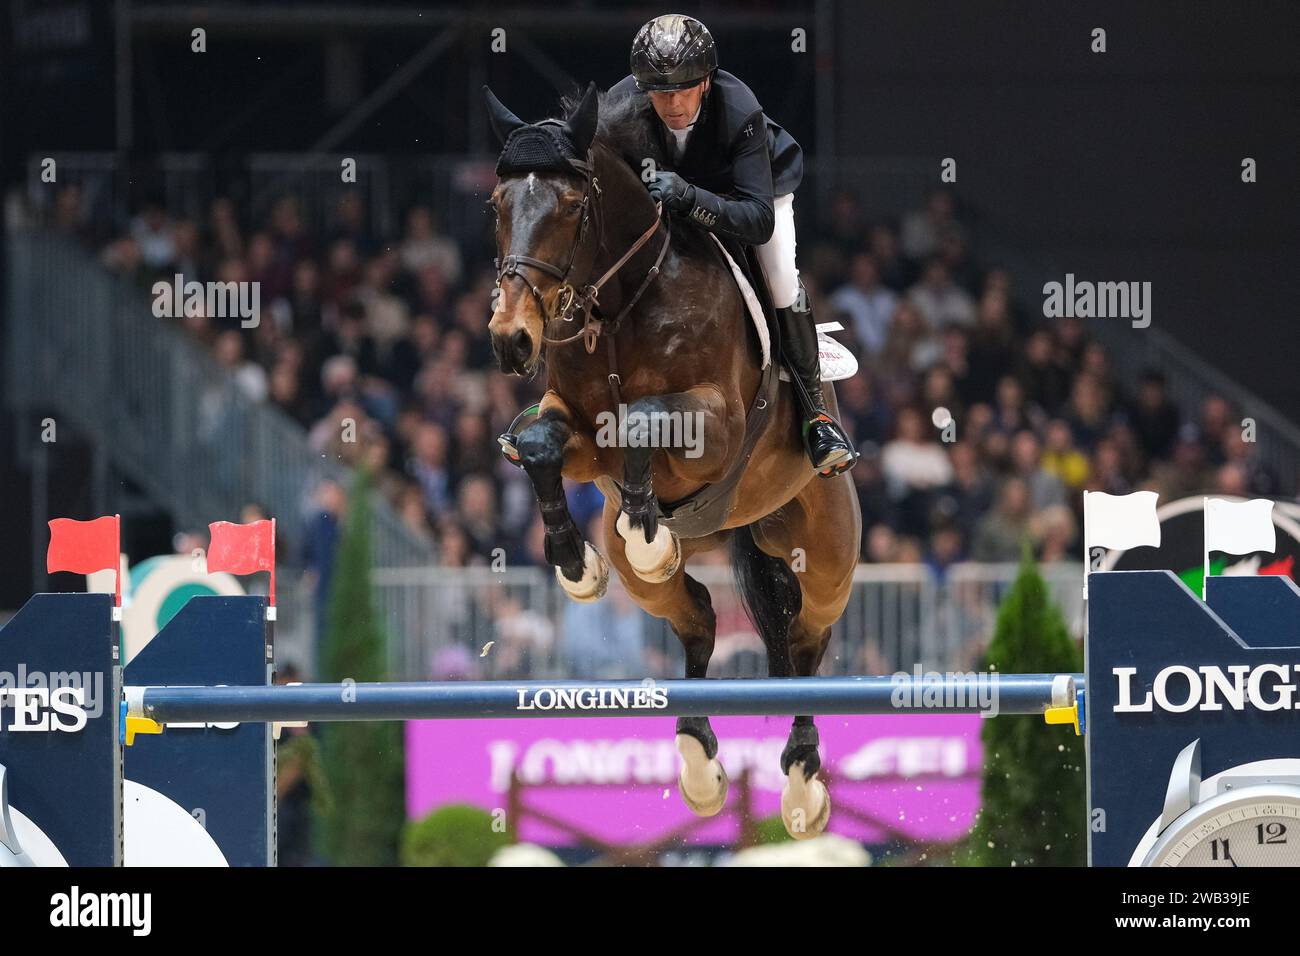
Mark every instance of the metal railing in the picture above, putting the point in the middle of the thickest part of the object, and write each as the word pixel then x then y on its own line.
pixel 84 345
pixel 480 624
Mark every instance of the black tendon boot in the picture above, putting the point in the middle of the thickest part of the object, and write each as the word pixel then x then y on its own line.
pixel 828 446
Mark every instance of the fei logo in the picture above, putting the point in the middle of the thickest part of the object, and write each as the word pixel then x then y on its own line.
pixel 1178 688
pixel 43 709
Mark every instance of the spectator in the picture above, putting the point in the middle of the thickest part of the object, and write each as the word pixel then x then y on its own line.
pixel 924 231
pixel 477 511
pixel 1107 471
pixel 1047 384
pixel 847 229
pixel 249 377
pixel 1062 459
pixel 992 351
pixel 320 541
pixel 909 345
pixel 862 410
pixel 1216 420
pixel 876 505
pixel 423 246
pixel 1011 412
pixel 1002 533
pixel 350 225
pixel 940 300
pixel 154 235
pixel 1087 412
pixel 945 550
pixel 1045 488
pixel 1154 418
pixel 1054 530
pixel 895 271
pixel 866 304
pixel 222 235
pixel 915 467
pixel 1187 473
pixel 1237 451
pixel 913 460
pixel 1231 479
pixel 428 466
pixel 970 492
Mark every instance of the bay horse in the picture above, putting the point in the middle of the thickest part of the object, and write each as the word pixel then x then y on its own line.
pixel 585 255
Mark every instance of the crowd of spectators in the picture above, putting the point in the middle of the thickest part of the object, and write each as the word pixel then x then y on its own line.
pixel 979 423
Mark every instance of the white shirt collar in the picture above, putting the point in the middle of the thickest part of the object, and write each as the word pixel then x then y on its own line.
pixel 679 135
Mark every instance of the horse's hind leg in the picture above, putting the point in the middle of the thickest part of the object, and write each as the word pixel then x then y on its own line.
pixel 775 601
pixel 685 604
pixel 579 567
pixel 824 523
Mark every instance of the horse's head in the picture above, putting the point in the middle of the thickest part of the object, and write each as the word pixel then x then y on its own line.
pixel 544 231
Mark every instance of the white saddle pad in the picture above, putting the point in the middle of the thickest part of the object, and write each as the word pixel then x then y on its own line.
pixel 837 362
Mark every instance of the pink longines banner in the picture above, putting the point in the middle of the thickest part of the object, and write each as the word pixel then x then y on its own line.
pixel 911 776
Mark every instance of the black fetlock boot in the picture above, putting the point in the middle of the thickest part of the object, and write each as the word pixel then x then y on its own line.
pixel 827 445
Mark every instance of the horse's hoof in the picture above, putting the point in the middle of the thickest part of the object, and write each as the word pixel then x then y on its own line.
pixel 654 562
pixel 703 782
pixel 594 581
pixel 805 805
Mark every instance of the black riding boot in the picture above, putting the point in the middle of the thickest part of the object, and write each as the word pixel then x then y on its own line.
pixel 828 446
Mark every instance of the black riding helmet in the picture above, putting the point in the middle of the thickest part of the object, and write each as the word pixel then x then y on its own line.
pixel 672 52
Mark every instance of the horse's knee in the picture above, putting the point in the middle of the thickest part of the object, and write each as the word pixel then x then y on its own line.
pixel 541 446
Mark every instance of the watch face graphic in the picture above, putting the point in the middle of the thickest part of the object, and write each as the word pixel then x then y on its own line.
pixel 1253 826
pixel 1248 815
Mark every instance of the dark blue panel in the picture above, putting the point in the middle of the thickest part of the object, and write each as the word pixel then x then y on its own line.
pixel 217 773
pixel 1150 621
pixel 65 782
pixel 1264 611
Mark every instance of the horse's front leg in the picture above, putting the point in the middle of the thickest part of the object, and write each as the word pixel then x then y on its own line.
pixel 693 429
pixel 579 567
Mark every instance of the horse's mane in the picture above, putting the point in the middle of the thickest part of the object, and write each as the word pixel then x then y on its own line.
pixel 624 125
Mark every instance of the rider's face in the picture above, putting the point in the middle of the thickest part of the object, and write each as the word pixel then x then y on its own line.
pixel 677 107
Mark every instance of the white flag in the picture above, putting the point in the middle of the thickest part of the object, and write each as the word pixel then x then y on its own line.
pixel 1121 521
pixel 1242 527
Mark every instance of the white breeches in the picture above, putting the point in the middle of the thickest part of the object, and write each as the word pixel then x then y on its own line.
pixel 777 255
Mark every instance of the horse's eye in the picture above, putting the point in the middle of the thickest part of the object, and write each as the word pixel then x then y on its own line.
pixel 575 206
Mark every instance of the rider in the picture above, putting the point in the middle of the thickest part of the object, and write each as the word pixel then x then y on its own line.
pixel 734 172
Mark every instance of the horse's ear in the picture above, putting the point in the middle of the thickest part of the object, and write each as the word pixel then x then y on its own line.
pixel 503 121
pixel 582 122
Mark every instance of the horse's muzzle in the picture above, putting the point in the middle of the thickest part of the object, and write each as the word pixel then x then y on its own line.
pixel 514 352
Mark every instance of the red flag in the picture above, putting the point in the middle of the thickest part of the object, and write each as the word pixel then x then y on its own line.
pixel 85 547
pixel 243 548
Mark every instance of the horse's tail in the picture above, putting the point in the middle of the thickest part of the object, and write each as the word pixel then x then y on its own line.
pixel 769 591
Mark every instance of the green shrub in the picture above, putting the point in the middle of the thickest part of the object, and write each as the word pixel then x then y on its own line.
pixel 359 813
pixel 1033 803
pixel 453 835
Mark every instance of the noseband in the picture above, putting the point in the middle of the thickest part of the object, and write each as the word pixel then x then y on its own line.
pixel 571 301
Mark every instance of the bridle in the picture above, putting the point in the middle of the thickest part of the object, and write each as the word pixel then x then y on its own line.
pixel 571 301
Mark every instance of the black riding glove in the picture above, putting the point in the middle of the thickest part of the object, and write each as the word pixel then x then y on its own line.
pixel 675 193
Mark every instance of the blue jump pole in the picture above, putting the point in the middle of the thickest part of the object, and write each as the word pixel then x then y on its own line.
pixel 451 700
